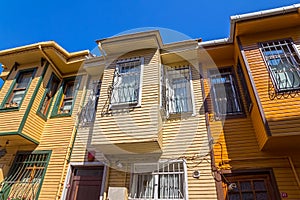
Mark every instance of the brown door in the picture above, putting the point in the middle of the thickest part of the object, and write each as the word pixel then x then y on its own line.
pixel 85 183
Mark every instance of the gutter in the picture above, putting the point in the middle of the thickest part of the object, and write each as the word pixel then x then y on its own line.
pixel 248 16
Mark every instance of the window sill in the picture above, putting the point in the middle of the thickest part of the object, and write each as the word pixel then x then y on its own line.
pixel 41 115
pixel 230 116
pixel 180 115
pixel 124 106
pixel 9 109
pixel 61 115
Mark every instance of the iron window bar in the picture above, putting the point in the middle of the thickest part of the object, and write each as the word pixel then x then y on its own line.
pixel 283 64
pixel 178 90
pixel 24 179
pixel 226 99
pixel 126 84
pixel 88 112
pixel 166 182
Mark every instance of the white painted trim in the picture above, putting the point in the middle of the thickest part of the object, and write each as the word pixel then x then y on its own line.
pixel 141 81
pixel 67 180
pixel 185 180
pixel 192 92
pixel 69 172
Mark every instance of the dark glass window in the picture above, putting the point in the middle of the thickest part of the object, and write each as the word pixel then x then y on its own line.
pixel 50 91
pixel 20 88
pixel 224 92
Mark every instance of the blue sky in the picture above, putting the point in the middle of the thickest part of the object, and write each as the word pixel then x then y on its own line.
pixel 75 25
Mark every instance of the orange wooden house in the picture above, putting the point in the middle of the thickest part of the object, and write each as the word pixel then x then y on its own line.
pixel 253 105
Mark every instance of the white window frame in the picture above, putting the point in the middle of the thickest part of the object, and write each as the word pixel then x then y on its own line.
pixel 155 175
pixel 138 103
pixel 167 81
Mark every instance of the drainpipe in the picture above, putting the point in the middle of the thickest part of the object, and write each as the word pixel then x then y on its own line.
pixel 219 187
pixel 74 131
pixel 294 171
pixel 71 143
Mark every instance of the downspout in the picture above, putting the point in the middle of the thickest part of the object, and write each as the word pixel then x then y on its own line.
pixel 294 171
pixel 219 187
pixel 71 144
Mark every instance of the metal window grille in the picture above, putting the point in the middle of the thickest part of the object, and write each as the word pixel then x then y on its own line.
pixel 179 90
pixel 226 98
pixel 25 176
pixel 283 64
pixel 126 84
pixel 166 182
pixel 88 112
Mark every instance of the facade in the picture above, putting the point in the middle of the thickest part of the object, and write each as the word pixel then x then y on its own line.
pixel 37 118
pixel 146 120
pixel 253 106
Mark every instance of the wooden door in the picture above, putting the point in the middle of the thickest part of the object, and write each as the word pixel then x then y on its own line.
pixel 85 183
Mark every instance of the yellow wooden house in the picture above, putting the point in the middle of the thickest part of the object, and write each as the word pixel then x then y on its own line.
pixel 142 128
pixel 38 108
pixel 253 105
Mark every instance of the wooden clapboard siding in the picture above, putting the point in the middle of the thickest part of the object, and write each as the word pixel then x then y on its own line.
pixel 57 136
pixel 10 120
pixel 243 138
pixel 187 137
pixel 279 122
pixel 34 124
pixel 124 125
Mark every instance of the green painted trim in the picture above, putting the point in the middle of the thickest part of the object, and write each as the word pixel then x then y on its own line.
pixel 72 147
pixel 9 109
pixel 8 93
pixel 38 112
pixel 32 99
pixel 77 123
pixel 49 152
pixel 57 100
pixel 54 113
pixel 20 134
pixel 14 83
pixel 44 173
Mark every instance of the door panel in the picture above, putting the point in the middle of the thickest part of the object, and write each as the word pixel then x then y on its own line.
pixel 85 183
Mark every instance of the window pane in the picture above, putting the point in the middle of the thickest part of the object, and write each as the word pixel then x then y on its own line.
pixel 165 183
pixel 50 91
pixel 24 79
pixel 247 196
pixel 18 96
pixel 179 91
pixel 226 98
pixel 234 196
pixel 283 62
pixel 126 84
pixel 259 185
pixel 245 186
pixel 261 196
